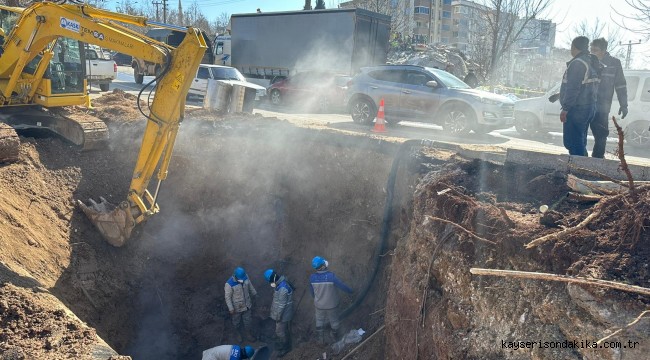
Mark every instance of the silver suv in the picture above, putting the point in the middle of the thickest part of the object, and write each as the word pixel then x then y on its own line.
pixel 419 93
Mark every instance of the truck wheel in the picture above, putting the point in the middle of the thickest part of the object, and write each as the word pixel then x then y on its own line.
pixel 457 119
pixel 362 111
pixel 104 87
pixel 276 98
pixel 526 124
pixel 139 78
pixel 637 134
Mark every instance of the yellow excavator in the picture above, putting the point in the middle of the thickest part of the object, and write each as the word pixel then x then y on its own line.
pixel 41 70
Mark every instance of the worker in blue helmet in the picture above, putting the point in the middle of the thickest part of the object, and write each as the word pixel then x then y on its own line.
pixel 323 287
pixel 229 352
pixel 281 310
pixel 239 293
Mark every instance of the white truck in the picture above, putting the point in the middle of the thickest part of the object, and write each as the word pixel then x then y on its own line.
pixel 100 67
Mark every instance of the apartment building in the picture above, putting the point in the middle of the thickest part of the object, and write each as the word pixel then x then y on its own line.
pixel 459 23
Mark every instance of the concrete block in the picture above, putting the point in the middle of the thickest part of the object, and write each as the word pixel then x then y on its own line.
pixel 607 167
pixel 538 159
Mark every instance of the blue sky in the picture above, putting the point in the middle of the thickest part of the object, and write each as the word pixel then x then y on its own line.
pixel 214 8
pixel 564 13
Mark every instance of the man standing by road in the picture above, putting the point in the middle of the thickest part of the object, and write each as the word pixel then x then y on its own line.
pixel 578 96
pixel 281 310
pixel 326 298
pixel 611 79
pixel 238 292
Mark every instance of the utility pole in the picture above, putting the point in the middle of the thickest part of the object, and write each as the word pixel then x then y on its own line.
pixel 156 3
pixel 180 13
pixel 164 4
pixel 430 21
pixel 629 51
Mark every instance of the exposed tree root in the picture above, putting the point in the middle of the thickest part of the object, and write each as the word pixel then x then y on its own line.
pixel 638 318
pixel 563 278
pixel 565 232
pixel 434 218
pixel 621 156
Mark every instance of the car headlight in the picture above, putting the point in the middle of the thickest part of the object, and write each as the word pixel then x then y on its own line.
pixel 490 101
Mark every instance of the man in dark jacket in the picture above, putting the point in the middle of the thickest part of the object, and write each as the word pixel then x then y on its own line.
pixel 281 310
pixel 611 79
pixel 323 288
pixel 578 96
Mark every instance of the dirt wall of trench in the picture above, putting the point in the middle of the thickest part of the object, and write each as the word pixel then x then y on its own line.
pixel 437 310
pixel 251 191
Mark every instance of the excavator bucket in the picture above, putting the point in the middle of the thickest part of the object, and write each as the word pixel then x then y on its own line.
pixel 9 144
pixel 115 223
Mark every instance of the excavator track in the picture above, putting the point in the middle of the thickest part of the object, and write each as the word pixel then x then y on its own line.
pixel 73 124
pixel 84 130
pixel 9 144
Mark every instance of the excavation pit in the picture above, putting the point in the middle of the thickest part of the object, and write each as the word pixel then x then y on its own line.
pixel 260 193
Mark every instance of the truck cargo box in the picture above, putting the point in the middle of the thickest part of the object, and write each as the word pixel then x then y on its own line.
pixel 282 43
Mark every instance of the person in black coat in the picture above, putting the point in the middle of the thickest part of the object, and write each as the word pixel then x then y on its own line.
pixel 471 79
pixel 611 79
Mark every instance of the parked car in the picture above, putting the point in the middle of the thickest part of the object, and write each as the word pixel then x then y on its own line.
pixel 321 89
pixel 122 59
pixel 419 93
pixel 537 115
pixel 199 86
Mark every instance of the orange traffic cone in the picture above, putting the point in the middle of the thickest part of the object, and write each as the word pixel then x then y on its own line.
pixel 379 123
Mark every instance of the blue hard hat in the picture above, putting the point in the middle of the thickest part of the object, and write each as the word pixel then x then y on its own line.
pixel 268 273
pixel 240 273
pixel 249 351
pixel 317 262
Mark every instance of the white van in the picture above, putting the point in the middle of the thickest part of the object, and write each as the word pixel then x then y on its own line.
pixel 538 115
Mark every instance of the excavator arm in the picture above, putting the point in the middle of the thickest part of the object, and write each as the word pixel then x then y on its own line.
pixel 43 23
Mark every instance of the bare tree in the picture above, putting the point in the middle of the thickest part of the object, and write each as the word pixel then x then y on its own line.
pixel 597 29
pixel 506 20
pixel 399 11
pixel 636 18
pixel 220 23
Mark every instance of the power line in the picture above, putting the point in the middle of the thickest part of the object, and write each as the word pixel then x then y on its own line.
pixel 629 51
pixel 156 3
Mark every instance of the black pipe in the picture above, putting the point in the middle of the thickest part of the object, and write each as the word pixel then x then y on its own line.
pixel 387 220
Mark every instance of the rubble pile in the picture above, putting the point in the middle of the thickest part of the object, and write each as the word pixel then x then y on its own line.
pixel 436 56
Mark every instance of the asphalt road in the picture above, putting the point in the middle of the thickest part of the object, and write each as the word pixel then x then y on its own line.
pixel 507 138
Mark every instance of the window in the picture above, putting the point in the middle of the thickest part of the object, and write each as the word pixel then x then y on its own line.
pixel 446 14
pixel 421 10
pixel 455 34
pixel 446 2
pixel 417 78
pixel 645 95
pixel 203 73
pixel 632 85
pixel 460 10
pixel 386 75
pixel 444 40
pixel 445 27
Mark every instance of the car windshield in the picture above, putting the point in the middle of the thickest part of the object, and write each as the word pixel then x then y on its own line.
pixel 224 73
pixel 448 79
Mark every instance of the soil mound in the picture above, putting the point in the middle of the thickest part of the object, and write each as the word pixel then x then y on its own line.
pixel 31 327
